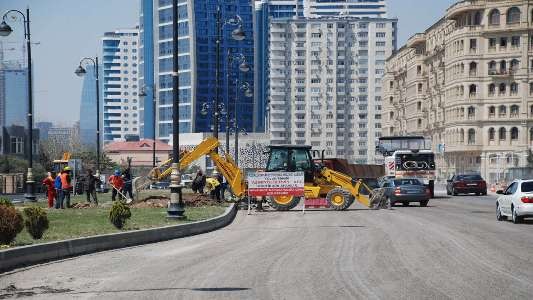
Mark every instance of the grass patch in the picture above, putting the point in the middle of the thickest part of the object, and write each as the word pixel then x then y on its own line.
pixel 74 223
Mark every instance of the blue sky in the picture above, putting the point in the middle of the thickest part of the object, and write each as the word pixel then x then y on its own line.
pixel 68 30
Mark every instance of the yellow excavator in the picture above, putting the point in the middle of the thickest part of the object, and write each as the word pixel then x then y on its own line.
pixel 339 189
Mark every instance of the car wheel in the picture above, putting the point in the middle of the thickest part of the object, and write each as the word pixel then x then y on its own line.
pixel 499 215
pixel 448 192
pixel 516 219
pixel 484 193
pixel 405 203
pixel 424 203
pixel 454 192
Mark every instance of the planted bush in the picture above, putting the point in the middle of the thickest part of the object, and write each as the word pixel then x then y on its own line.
pixel 6 202
pixel 36 221
pixel 119 214
pixel 10 224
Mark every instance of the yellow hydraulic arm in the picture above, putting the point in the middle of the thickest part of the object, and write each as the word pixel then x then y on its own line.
pixel 225 165
pixel 347 183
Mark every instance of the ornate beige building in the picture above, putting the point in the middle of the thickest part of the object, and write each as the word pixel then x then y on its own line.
pixel 466 83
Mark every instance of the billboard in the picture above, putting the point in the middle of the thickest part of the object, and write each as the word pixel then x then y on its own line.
pixel 276 184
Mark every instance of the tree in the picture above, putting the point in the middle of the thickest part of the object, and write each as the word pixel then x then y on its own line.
pixel 88 160
pixel 15 164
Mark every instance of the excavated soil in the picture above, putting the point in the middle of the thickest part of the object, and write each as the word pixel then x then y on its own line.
pixel 190 200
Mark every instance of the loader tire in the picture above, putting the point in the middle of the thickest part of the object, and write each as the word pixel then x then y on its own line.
pixel 282 203
pixel 339 199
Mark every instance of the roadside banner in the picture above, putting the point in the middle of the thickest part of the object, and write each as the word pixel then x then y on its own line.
pixel 276 184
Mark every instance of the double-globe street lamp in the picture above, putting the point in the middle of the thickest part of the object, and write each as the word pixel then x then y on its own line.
pixel 6 30
pixel 80 71
pixel 175 208
pixel 144 94
pixel 243 67
pixel 238 35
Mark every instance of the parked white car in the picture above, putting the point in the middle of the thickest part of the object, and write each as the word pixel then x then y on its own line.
pixel 516 202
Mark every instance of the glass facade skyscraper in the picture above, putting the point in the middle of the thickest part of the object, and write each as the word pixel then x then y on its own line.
pixel 197 30
pixel 146 69
pixel 88 108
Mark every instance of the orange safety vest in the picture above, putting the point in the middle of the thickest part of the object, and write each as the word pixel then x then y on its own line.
pixel 65 181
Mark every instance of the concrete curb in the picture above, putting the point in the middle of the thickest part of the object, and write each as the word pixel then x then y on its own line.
pixel 34 254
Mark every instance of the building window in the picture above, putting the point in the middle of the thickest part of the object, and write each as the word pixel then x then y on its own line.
pixel 492 42
pixel 473 68
pixel 503 42
pixel 513 15
pixel 471 136
pixel 473 45
pixel 502 134
pixel 515 110
pixel 531 134
pixel 494 17
pixel 501 89
pixel 515 41
pixel 492 134
pixel 514 66
pixel 472 90
pixel 477 18
pixel 514 88
pixel 514 134
pixel 471 112
pixel 492 111
pixel 419 106
pixel 492 68
pixel 492 89
pixel 531 88
pixel 502 111
pixel 17 145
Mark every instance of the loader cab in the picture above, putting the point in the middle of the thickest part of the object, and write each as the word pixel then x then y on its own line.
pixel 291 158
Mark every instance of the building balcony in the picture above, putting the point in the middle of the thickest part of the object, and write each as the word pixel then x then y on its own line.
pixel 415 40
pixel 502 73
pixel 463 6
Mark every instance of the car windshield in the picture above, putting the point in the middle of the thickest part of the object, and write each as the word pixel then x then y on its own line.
pixel 398 182
pixel 469 177
pixel 527 187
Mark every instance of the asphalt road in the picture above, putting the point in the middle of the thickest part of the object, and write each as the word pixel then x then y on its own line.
pixel 453 249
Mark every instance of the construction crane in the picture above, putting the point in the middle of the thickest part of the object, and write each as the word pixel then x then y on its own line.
pixel 339 189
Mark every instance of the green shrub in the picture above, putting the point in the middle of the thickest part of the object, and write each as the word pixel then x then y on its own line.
pixel 36 221
pixel 119 214
pixel 6 202
pixel 10 224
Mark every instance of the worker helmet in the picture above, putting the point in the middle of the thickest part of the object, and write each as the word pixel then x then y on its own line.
pixel 67 168
pixel 117 172
pixel 215 172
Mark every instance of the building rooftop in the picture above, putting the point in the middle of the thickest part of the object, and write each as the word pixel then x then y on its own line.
pixel 142 145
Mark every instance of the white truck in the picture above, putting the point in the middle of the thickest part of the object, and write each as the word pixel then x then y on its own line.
pixel 408 157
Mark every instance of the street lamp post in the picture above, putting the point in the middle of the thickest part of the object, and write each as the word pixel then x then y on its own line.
pixel 243 67
pixel 143 94
pixel 239 86
pixel 5 30
pixel 175 208
pixel 80 71
pixel 238 35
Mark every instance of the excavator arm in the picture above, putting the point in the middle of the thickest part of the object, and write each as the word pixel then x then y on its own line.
pixel 225 165
pixel 349 184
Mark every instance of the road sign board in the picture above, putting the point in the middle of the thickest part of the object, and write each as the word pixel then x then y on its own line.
pixel 276 184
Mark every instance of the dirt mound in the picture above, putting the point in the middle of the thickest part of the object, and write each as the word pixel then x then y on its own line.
pixel 82 205
pixel 190 200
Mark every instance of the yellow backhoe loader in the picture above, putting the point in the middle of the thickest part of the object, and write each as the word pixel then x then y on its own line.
pixel 339 189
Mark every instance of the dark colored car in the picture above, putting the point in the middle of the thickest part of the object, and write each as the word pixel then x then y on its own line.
pixel 405 190
pixel 466 184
